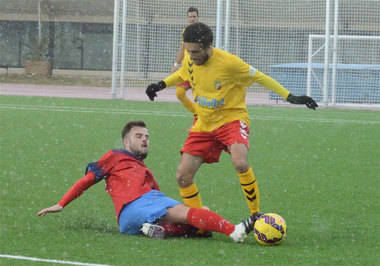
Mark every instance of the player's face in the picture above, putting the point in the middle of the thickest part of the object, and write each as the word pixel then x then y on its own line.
pixel 192 17
pixel 137 142
pixel 197 54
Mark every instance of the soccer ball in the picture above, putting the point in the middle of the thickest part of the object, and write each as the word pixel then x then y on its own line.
pixel 270 229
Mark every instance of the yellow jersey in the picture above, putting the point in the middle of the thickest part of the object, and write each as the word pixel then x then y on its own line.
pixel 219 88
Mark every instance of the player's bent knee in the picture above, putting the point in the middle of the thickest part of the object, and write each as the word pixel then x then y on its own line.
pixel 183 181
pixel 241 166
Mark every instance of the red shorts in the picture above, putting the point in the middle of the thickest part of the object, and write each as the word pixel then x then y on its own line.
pixel 209 145
pixel 186 85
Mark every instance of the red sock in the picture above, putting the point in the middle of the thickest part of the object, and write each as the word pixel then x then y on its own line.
pixel 177 229
pixel 209 221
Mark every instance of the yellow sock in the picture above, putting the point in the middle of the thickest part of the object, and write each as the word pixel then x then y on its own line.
pixel 250 190
pixel 190 196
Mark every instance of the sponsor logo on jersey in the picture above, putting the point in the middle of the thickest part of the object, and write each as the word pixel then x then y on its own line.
pixel 209 103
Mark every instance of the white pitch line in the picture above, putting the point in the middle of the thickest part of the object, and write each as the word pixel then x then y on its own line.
pixel 91 110
pixel 79 109
pixel 50 260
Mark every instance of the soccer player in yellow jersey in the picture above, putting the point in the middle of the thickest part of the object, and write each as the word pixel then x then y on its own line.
pixel 219 80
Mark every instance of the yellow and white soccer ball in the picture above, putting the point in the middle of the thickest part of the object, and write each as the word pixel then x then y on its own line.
pixel 270 229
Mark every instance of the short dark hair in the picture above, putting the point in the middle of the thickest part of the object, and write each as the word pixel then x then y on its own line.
pixel 192 9
pixel 131 125
pixel 198 33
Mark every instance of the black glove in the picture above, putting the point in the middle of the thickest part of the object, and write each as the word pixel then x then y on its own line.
pixel 153 88
pixel 310 103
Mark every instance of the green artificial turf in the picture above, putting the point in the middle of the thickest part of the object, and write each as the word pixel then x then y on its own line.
pixel 317 169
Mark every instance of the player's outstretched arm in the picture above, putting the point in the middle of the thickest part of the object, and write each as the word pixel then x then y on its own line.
pixel 75 191
pixel 308 101
pixel 152 89
pixel 54 208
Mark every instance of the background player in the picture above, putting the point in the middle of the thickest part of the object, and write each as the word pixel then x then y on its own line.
pixel 192 17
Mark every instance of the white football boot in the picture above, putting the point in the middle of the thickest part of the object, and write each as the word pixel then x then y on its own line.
pixel 153 230
pixel 244 228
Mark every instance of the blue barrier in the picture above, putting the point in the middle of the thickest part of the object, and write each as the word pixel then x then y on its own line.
pixel 355 83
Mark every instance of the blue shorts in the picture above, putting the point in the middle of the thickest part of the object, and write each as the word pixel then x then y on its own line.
pixel 146 209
